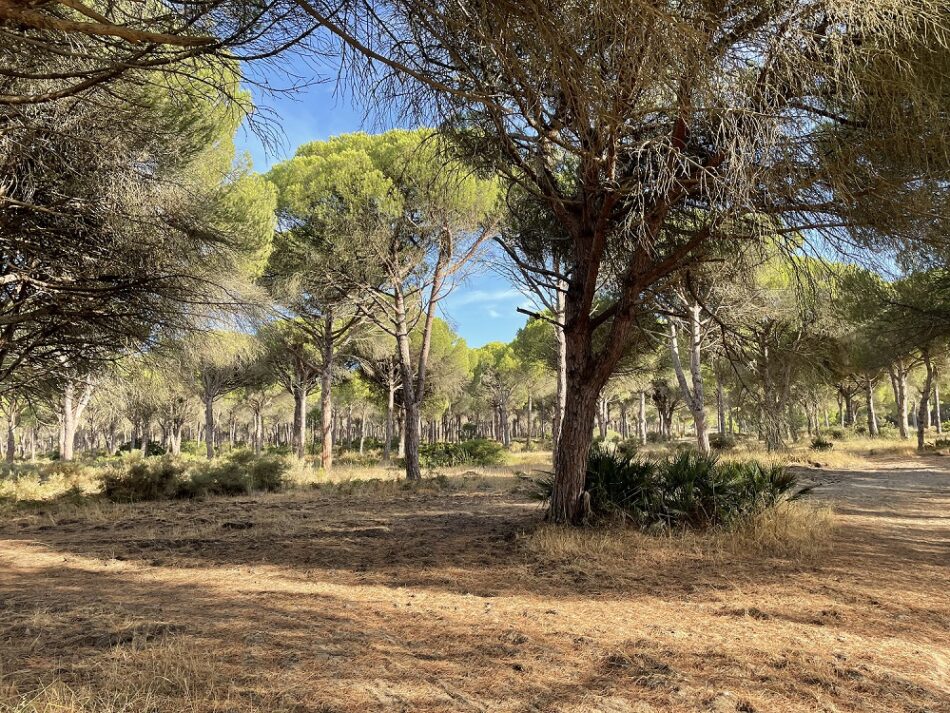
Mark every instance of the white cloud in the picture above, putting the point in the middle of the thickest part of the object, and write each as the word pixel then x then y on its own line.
pixel 485 297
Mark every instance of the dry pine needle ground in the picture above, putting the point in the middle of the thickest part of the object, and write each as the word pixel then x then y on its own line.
pixel 456 598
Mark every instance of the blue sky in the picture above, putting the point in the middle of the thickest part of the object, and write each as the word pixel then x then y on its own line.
pixel 482 309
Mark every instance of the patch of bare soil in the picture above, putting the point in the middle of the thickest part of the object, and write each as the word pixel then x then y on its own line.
pixel 432 601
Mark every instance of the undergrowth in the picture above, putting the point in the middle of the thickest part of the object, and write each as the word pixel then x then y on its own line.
pixel 682 490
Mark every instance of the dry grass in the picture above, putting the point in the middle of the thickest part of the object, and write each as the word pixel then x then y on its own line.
pixel 801 531
pixel 453 596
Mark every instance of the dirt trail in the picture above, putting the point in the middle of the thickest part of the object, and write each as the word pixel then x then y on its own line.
pixel 436 602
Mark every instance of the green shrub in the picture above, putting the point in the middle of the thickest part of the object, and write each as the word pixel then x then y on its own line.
pixel 240 473
pixel 684 490
pixel 193 448
pixel 629 447
pixel 353 458
pixel 888 430
pixel 144 479
pixel 476 452
pixel 154 448
pixel 820 443
pixel 837 434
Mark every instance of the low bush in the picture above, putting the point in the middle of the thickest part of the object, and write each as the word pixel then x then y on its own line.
pixel 153 448
pixel 144 479
pixel 888 431
pixel 837 434
pixel 684 490
pixel 242 472
pixel 367 459
pixel 629 447
pixel 820 443
pixel 476 452
pixel 722 442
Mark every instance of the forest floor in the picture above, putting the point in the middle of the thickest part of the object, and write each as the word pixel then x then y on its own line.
pixel 454 597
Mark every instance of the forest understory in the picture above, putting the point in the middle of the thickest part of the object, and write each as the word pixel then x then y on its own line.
pixel 455 596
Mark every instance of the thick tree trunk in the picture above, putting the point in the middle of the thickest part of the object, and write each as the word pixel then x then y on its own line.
pixel 573 448
pixel 209 427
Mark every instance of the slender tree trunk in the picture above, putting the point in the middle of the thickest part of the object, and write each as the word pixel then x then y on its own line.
pixel 530 421
pixel 642 419
pixel 401 440
pixel 413 437
pixel 720 408
pixel 147 437
pixel 390 408
pixel 209 427
pixel 923 409
pixel 177 427
pixel 300 421
pixel 72 412
pixel 326 395
pixel 602 418
pixel 873 430
pixel 561 385
pixel 11 436
pixel 694 397
pixel 937 416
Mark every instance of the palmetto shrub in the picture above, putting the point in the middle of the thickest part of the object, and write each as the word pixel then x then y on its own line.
pixel 684 490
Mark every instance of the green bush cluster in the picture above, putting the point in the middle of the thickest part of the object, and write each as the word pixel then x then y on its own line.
pixel 888 430
pixel 684 490
pixel 153 448
pixel 164 478
pixel 820 443
pixel 476 452
pixel 722 442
